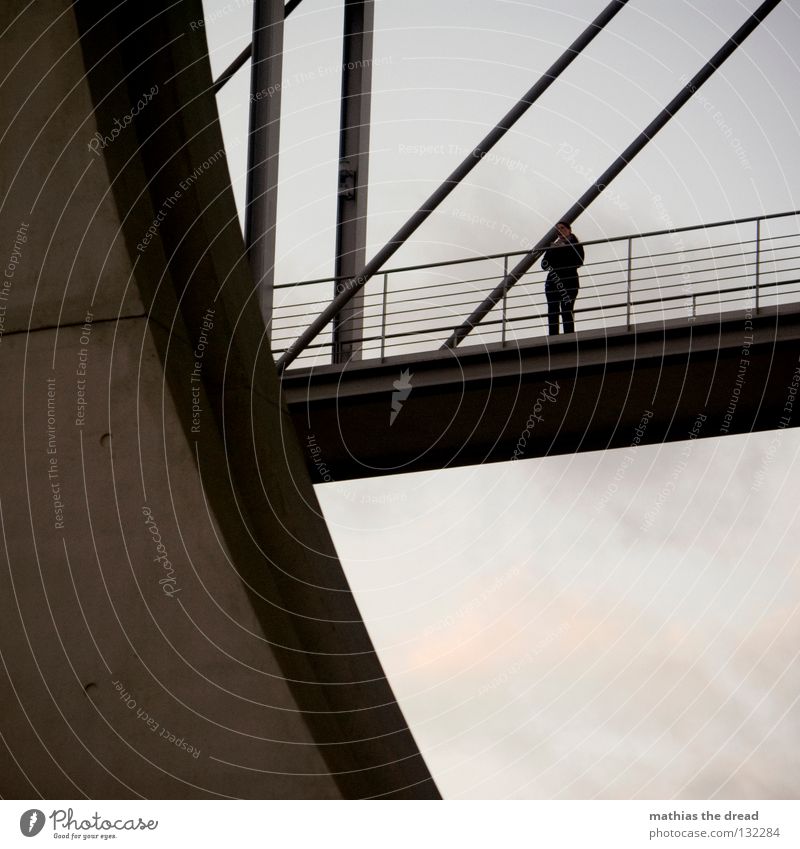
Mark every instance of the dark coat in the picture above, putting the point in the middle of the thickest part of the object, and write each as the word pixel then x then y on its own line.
pixel 562 262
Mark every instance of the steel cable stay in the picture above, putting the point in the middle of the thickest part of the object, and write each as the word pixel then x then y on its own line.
pixel 499 294
pixel 353 285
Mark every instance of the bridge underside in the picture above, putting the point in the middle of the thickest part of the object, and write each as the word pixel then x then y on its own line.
pixel 660 382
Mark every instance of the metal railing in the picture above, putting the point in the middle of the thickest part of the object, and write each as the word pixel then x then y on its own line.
pixel 683 272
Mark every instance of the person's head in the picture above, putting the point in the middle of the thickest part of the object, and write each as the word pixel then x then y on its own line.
pixel 564 230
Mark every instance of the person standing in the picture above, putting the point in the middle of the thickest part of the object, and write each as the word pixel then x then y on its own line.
pixel 561 261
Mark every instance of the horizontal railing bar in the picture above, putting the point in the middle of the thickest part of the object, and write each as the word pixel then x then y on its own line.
pixel 709 278
pixel 715 246
pixel 587 272
pixel 586 290
pixel 284 328
pixel 592 276
pixel 581 314
pixel 605 241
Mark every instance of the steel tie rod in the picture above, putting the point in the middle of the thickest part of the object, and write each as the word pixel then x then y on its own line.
pixel 247 53
pixel 352 285
pixel 594 191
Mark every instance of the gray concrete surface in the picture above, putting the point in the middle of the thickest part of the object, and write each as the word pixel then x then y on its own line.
pixel 174 620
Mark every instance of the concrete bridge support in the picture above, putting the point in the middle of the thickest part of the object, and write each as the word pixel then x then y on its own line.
pixel 174 620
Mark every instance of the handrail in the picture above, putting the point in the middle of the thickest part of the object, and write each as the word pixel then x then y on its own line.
pixel 543 314
pixel 637 278
pixel 589 243
pixel 350 287
pixel 615 290
pixel 422 309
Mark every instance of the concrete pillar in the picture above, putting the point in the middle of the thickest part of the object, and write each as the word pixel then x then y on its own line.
pixel 174 620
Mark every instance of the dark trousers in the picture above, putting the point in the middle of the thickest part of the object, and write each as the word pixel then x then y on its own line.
pixel 561 294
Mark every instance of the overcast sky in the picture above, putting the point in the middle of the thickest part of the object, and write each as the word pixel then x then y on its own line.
pixel 571 627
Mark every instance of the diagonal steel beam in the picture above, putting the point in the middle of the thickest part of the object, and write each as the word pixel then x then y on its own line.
pixel 353 285
pixel 596 189
pixel 247 52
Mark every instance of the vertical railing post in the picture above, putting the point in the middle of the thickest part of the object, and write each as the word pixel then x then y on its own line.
pixel 758 260
pixel 505 301
pixel 628 295
pixel 383 313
